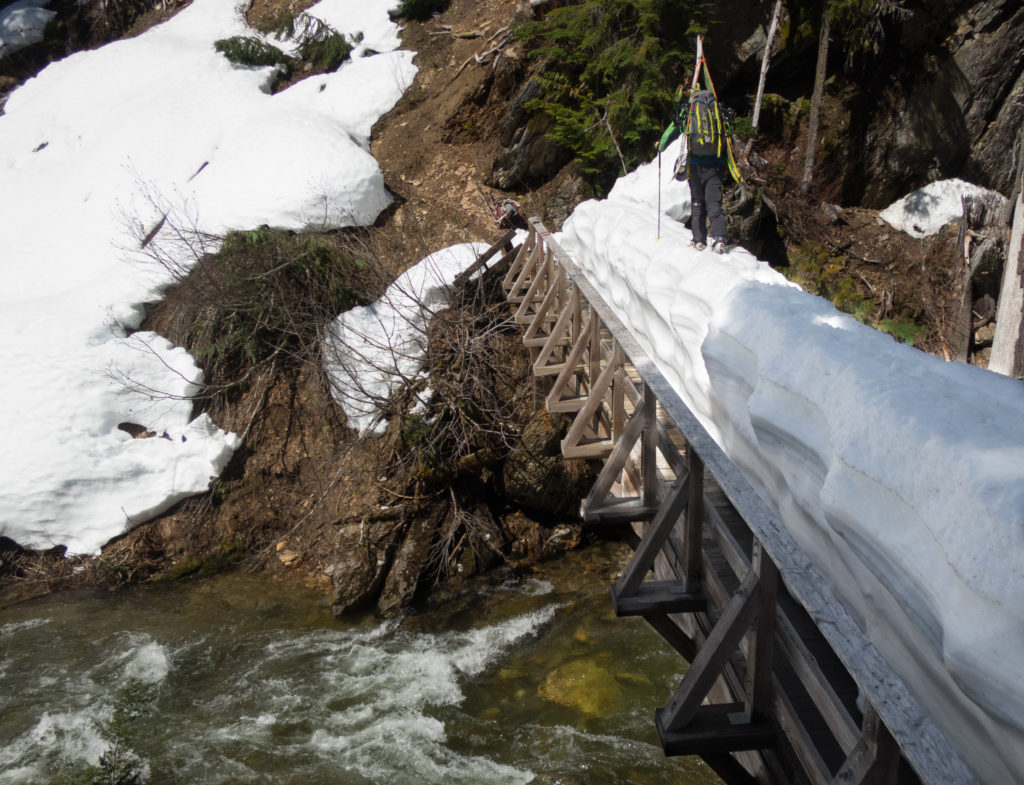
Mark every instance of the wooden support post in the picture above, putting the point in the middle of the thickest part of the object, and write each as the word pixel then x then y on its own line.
pixel 759 642
pixel 618 395
pixel 875 759
pixel 649 449
pixel 694 532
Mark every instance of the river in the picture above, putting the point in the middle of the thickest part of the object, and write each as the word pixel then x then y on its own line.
pixel 247 680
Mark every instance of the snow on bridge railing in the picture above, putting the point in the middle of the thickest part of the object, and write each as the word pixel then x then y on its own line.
pixel 924 745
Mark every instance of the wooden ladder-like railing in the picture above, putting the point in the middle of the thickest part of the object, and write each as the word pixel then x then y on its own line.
pixel 783 686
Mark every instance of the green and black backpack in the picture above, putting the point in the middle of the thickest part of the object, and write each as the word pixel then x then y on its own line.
pixel 704 125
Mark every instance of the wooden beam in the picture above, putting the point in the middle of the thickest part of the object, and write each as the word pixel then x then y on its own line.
pixel 560 332
pixel 657 597
pixel 540 318
pixel 556 400
pixel 693 535
pixel 523 274
pixel 481 260
pixel 650 544
pixel 761 637
pixel 597 498
pixel 714 730
pixel 713 656
pixel 508 282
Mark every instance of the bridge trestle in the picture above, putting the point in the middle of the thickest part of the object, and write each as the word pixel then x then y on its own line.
pixel 782 685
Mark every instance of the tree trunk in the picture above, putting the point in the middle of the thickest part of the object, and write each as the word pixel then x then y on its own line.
pixel 1008 344
pixel 816 96
pixel 773 28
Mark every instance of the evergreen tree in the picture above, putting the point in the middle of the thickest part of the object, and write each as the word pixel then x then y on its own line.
pixel 612 67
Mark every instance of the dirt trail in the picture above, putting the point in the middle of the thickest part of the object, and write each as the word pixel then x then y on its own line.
pixel 437 146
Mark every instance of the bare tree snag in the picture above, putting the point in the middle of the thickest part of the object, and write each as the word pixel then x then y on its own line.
pixel 819 91
pixel 1008 344
pixel 773 28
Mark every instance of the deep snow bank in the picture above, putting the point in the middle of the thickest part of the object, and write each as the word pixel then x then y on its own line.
pixel 901 476
pixel 373 349
pixel 92 152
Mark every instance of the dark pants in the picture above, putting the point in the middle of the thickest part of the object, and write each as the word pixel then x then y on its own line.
pixel 706 202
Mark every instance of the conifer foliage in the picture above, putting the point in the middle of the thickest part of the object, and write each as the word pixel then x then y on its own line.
pixel 611 70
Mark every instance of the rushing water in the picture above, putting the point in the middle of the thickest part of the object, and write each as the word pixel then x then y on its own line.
pixel 533 681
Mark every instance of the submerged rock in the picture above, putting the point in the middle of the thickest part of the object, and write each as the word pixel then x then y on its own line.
pixel 582 685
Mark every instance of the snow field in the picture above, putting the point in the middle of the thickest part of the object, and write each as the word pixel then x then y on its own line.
pixel 93 151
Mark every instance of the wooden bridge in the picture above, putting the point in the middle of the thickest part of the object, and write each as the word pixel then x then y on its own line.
pixel 783 685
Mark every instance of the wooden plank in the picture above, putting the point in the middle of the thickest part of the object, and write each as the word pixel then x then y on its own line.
pixel 620 511
pixel 657 597
pixel 839 721
pixel 797 735
pixel 713 730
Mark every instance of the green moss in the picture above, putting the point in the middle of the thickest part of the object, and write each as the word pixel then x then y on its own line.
pixel 903 328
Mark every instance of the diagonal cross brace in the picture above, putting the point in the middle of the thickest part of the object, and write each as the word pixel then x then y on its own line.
pixel 649 547
pixel 713 655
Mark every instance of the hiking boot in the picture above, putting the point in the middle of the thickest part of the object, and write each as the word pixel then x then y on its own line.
pixel 698 246
pixel 718 245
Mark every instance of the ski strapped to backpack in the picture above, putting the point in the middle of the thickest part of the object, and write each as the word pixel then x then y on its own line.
pixel 706 129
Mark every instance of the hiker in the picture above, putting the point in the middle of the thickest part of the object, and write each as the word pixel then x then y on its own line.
pixel 707 124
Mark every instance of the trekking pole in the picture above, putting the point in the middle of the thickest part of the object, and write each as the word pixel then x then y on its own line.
pixel 659 196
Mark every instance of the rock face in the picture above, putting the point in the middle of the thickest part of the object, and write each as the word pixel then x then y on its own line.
pixel 530 158
pixel 956 103
pixel 944 98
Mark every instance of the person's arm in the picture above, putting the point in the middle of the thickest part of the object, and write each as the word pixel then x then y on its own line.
pixel 669 136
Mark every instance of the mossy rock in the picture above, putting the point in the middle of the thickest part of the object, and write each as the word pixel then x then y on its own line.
pixel 585 686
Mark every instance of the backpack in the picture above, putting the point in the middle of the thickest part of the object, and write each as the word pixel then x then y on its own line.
pixel 704 125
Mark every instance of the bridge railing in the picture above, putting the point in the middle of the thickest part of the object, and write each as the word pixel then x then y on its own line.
pixel 799 693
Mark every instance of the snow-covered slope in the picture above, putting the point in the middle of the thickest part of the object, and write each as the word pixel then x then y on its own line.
pixel 900 475
pixel 92 152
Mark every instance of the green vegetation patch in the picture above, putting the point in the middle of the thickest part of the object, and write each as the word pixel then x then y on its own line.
pixel 611 71
pixel 318 44
pixel 250 51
